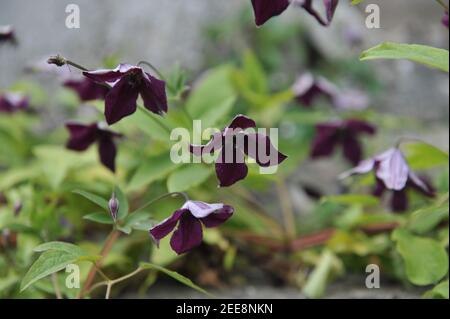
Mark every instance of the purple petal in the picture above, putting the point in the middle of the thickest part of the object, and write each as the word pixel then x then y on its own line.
pixel 379 188
pixel 188 235
pixel 165 227
pixel 330 8
pixel 201 209
pixel 242 122
pixel 362 168
pixel 307 89
pixel 230 173
pixel 213 145
pixel 109 75
pixel 326 139
pixel 81 136
pixel 87 89
pixel 393 170
pixel 107 151
pixel 120 101
pixel 352 149
pixel 218 217
pixel 13 102
pixel 421 185
pixel 399 201
pixel 358 126
pixel 260 148
pixel 266 9
pixel 153 92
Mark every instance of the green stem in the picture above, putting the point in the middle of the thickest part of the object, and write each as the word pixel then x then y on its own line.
pixel 162 197
pixel 154 69
pixel 154 118
pixel 443 4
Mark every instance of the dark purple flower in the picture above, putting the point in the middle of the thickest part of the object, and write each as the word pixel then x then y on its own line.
pixel 234 142
pixel 113 206
pixel 266 9
pixel 87 89
pixel 83 136
pixel 128 82
pixel 13 102
pixel 345 133
pixel 392 173
pixel 189 218
pixel 7 35
pixel 308 88
pixel 445 19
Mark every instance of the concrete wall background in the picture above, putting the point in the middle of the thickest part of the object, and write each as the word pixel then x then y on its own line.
pixel 168 31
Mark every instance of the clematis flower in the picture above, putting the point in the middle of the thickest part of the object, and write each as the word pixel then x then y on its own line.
pixel 87 89
pixel 189 218
pixel 7 35
pixel 83 136
pixel 308 88
pixel 267 9
pixel 234 142
pixel 392 173
pixel 128 82
pixel 344 133
pixel 13 102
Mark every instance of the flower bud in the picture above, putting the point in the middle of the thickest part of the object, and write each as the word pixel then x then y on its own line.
pixel 113 205
pixel 17 208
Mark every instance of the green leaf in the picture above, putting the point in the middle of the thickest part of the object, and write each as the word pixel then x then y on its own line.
pixel 425 156
pixel 426 261
pixel 214 89
pixel 153 169
pixel 426 219
pixel 180 278
pixel 188 177
pixel 429 56
pixel 352 199
pixel 101 218
pixel 438 292
pixel 123 203
pixel 99 201
pixel 48 263
pixel 61 246
pixel 317 281
pixel 355 2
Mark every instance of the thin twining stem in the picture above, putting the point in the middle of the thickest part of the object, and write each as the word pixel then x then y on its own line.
pixel 184 195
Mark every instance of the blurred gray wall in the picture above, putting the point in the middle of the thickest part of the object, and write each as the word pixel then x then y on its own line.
pixel 163 32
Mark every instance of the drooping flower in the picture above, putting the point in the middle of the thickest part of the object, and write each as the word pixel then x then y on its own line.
pixel 7 35
pixel 393 173
pixel 345 133
pixel 128 82
pixel 11 102
pixel 267 9
pixel 83 136
pixel 234 142
pixel 86 89
pixel 189 218
pixel 308 88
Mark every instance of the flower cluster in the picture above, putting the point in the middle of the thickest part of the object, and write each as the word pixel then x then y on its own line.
pixel 392 173
pixel 267 9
